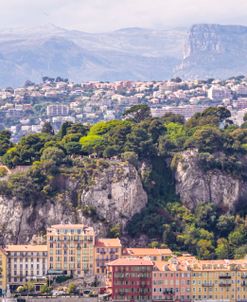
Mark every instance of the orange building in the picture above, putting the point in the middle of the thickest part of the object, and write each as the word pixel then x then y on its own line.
pixel 71 249
pixel 106 250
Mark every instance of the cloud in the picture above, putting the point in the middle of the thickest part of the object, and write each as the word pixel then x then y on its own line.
pixel 104 15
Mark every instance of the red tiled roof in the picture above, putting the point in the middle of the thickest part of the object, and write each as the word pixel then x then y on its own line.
pixel 108 242
pixel 130 262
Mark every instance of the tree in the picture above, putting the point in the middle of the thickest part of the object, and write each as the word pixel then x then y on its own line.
pixel 71 288
pixel 5 142
pixel 110 151
pixel 175 131
pixel 53 154
pixel 225 224
pixel 211 116
pixel 47 128
pixel 131 157
pixel 205 249
pixel 64 129
pixel 206 215
pixel 207 139
pixel 222 250
pixel 102 128
pixel 137 113
pixel 240 252
pixel 29 286
pixel 92 144
pixel 29 83
pixel 45 289
pixel 73 148
pixel 115 231
pixel 139 141
pixel 237 237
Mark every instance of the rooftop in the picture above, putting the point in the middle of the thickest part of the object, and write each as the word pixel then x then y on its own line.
pixel 142 252
pixel 60 227
pixel 26 248
pixel 108 242
pixel 130 262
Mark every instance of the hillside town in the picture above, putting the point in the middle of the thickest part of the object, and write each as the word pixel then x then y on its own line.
pixel 24 110
pixel 74 260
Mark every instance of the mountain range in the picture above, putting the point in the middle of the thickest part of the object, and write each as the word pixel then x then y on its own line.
pixel 132 53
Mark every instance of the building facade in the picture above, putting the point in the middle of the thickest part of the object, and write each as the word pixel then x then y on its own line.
pixel 219 280
pixel 3 271
pixel 26 263
pixel 71 249
pixel 130 279
pixel 172 280
pixel 106 250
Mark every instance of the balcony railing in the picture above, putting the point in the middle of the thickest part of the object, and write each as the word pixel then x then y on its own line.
pixel 225 284
pixel 207 284
pixel 225 276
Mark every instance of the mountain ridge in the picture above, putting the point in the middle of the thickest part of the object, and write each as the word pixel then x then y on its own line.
pixel 206 50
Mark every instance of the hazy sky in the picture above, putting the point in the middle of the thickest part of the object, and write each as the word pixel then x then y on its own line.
pixel 104 15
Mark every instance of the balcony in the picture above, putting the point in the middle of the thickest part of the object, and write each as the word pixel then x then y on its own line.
pixel 225 284
pixel 225 276
pixel 169 292
pixel 207 284
pixel 244 284
pixel 244 276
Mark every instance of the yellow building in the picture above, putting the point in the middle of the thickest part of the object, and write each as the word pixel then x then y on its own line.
pixel 219 280
pixel 106 250
pixel 153 254
pixel 3 271
pixel 71 249
pixel 26 263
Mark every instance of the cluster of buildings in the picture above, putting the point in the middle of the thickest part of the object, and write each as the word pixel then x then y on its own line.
pixel 129 274
pixel 24 110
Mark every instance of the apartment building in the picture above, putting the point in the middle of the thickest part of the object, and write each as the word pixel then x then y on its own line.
pixel 172 280
pixel 71 249
pixel 26 263
pixel 219 280
pixel 219 93
pixel 57 110
pixel 106 250
pixel 187 111
pixel 3 271
pixel 130 279
pixel 153 254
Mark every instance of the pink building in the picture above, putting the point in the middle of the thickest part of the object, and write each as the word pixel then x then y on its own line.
pixel 171 280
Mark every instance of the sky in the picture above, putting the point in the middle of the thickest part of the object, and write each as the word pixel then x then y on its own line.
pixel 107 15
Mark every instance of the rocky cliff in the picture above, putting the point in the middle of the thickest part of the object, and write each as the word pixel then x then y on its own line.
pixel 112 196
pixel 214 51
pixel 195 186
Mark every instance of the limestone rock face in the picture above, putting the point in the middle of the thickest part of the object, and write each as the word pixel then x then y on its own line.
pixel 115 194
pixel 196 186
pixel 213 50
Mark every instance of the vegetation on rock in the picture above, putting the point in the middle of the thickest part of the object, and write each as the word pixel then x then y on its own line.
pixel 153 146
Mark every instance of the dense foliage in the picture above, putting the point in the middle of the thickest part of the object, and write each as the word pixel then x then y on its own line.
pixel 153 146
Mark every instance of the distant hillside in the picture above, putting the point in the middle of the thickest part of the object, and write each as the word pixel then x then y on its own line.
pixel 215 51
pixel 131 53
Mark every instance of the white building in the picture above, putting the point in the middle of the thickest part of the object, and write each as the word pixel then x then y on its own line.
pixel 219 93
pixel 57 110
pixel 26 263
